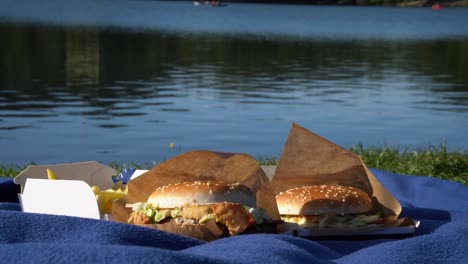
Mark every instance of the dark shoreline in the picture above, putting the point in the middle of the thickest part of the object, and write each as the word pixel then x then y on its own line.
pixel 398 3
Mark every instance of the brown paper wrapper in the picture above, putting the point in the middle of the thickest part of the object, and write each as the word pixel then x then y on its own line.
pixel 200 165
pixel 309 159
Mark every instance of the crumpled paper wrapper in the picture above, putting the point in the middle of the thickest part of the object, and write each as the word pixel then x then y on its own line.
pixel 200 165
pixel 308 159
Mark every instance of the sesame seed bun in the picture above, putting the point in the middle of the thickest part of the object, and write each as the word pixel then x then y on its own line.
pixel 201 192
pixel 323 199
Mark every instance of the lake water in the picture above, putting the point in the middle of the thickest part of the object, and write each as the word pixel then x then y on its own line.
pixel 122 80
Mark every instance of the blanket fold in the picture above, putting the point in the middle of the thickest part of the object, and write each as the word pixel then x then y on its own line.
pixel 441 206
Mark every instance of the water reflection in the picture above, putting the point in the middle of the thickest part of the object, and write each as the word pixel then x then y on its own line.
pixel 115 80
pixel 81 58
pixel 101 68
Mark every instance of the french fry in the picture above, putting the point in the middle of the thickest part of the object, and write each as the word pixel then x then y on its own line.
pixel 118 186
pixel 106 197
pixel 96 189
pixel 51 175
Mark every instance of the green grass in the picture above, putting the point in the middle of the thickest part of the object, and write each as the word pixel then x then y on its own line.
pixel 432 161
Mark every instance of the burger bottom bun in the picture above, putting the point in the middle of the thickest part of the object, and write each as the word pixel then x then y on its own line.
pixel 206 232
pixel 209 231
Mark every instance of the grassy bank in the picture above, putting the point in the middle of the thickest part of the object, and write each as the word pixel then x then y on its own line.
pixel 432 161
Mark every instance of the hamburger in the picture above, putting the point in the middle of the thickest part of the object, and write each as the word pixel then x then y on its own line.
pixel 327 206
pixel 224 208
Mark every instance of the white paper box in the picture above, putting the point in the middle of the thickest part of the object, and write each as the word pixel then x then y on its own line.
pixel 59 197
pixel 70 194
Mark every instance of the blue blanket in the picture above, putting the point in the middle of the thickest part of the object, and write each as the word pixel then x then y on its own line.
pixel 441 206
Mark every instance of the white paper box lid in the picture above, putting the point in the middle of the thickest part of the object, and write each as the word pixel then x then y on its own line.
pixel 91 172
